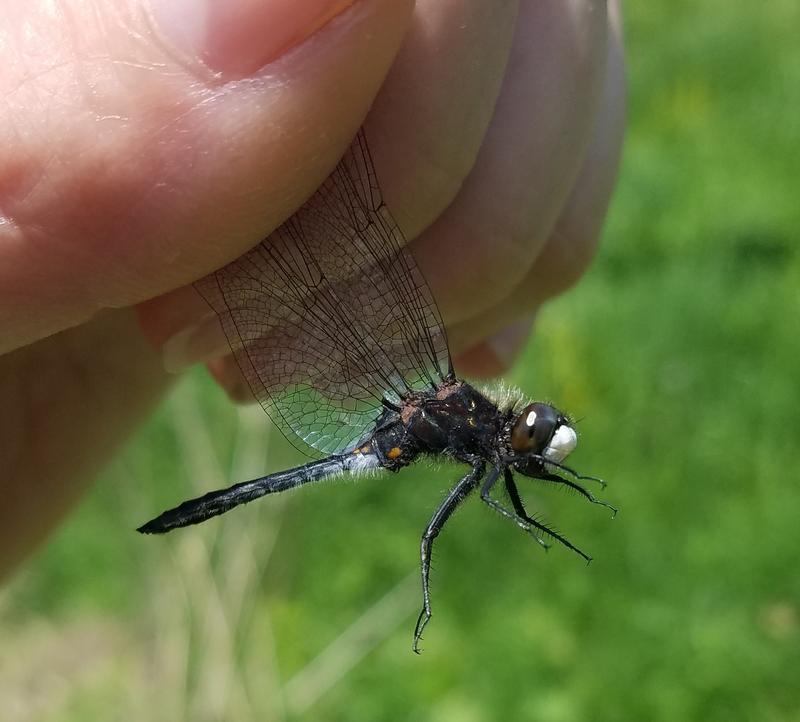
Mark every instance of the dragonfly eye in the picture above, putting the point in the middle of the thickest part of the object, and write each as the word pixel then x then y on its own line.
pixel 534 428
pixel 542 431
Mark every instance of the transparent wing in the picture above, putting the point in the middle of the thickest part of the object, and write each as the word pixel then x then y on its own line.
pixel 330 314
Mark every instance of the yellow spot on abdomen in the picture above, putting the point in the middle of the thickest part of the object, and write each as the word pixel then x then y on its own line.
pixel 394 452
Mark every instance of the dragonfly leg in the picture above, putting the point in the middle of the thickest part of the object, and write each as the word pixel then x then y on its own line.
pixel 457 494
pixel 523 520
pixel 556 479
pixel 581 477
pixel 519 507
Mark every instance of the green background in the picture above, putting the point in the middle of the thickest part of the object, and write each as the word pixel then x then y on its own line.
pixel 680 351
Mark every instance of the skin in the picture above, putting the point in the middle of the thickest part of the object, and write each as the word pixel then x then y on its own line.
pixel 130 168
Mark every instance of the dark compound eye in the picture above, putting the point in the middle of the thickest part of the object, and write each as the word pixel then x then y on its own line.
pixel 534 428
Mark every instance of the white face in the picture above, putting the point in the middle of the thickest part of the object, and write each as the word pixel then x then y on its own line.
pixel 562 444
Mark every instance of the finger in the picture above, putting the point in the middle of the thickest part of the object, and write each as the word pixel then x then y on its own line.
pixel 184 327
pixel 226 373
pixel 143 151
pixel 570 246
pixel 488 359
pixel 428 122
pixel 424 131
pixel 490 235
pixel 586 205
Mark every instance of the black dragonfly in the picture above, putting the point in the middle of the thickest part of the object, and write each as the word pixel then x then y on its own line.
pixel 341 341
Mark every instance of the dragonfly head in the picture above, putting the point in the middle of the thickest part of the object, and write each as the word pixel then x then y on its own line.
pixel 541 430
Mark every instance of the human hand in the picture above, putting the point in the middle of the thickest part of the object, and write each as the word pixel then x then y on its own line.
pixel 496 138
pixel 131 169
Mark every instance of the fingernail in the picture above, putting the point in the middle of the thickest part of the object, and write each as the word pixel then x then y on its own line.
pixel 195 344
pixel 237 37
pixel 507 344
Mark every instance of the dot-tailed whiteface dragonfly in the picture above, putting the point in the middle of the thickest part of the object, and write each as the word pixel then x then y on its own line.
pixel 341 341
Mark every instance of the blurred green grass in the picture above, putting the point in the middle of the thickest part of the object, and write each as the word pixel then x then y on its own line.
pixel 680 352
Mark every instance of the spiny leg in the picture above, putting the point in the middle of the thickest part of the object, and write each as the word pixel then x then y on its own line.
pixel 519 507
pixel 524 521
pixel 556 479
pixel 457 494
pixel 581 477
pixel 520 520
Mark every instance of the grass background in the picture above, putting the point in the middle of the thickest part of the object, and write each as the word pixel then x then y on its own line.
pixel 680 349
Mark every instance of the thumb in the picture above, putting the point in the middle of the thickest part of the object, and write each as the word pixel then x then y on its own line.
pixel 144 143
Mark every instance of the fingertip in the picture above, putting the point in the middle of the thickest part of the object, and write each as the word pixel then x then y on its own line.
pixel 228 375
pixel 162 317
pixel 507 344
pixel 497 353
pixel 479 362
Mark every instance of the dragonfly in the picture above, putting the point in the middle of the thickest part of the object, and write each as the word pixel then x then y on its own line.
pixel 341 342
